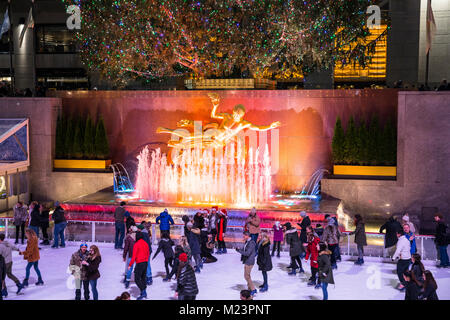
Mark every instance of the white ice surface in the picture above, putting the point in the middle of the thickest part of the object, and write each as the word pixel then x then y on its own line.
pixel 218 281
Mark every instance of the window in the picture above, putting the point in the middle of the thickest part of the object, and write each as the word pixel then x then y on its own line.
pixel 55 39
pixel 62 79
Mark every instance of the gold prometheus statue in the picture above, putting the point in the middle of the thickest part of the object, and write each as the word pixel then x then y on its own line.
pixel 215 135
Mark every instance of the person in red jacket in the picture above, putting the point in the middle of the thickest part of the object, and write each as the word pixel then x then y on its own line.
pixel 221 229
pixel 141 254
pixel 312 253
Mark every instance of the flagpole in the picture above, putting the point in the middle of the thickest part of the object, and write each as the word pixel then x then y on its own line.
pixel 428 53
pixel 11 72
pixel 34 47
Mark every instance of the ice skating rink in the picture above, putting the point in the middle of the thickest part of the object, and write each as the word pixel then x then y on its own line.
pixel 221 280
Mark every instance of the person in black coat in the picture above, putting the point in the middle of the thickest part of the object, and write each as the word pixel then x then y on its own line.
pixel 2 277
pixel 306 222
pixel 60 221
pixel 412 288
pixel 35 218
pixel 264 259
pixel 295 248
pixel 392 226
pixel 44 223
pixel 417 269
pixel 187 288
pixel 441 240
pixel 166 244
pixel 92 274
pixel 194 241
pixel 429 287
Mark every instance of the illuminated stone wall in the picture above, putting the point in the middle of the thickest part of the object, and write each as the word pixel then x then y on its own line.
pixel 307 117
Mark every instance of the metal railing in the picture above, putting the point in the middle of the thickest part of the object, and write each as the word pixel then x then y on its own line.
pixel 104 231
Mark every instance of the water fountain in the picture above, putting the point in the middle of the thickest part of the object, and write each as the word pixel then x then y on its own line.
pixel 233 177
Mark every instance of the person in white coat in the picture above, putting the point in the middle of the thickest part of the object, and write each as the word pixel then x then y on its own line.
pixel 403 253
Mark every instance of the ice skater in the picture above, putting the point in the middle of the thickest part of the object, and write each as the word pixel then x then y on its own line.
pixel 295 248
pixel 6 252
pixel 264 259
pixel 312 254
pixel 277 238
pixel 248 259
pixel 221 230
pixel 325 269
pixel 360 238
pixel 187 288
pixel 90 266
pixel 130 240
pixel 77 270
pixel 165 245
pixel 141 253
pixel 31 254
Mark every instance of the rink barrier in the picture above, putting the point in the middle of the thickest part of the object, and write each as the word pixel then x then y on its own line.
pixel 104 231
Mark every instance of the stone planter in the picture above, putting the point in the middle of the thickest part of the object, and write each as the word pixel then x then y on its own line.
pixel 81 164
pixel 379 171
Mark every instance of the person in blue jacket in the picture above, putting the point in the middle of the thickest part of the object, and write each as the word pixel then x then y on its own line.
pixel 164 220
pixel 410 236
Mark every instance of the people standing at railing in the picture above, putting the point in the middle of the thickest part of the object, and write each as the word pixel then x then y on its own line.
pixel 165 245
pixel 360 238
pixel 19 220
pixel 264 259
pixel 403 253
pixel 405 220
pixel 164 220
pixel 277 238
pixel 429 287
pixel 248 254
pixel 412 289
pixel 60 221
pixel 76 268
pixel 306 222
pixel 145 227
pixel 141 254
pixel 130 240
pixel 312 254
pixel 6 252
pixel 410 236
pixel 325 269
pixel 119 215
pixel 31 254
pixel 442 240
pixel 331 236
pixel 45 223
pixel 91 265
pixel 295 248
pixel 221 227
pixel 252 224
pixel 35 218
pixel 193 237
pixel 392 226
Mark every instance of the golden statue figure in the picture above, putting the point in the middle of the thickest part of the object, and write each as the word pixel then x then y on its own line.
pixel 215 135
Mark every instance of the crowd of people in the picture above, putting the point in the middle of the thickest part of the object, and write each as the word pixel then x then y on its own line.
pixel 204 237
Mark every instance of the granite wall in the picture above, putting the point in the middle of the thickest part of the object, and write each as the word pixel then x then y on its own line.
pixel 423 165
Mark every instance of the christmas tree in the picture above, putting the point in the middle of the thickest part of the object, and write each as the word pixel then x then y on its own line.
pixel 126 39
pixel 337 144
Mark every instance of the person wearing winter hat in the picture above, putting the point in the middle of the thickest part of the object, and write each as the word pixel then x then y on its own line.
pixel 405 220
pixel 187 288
pixel 130 239
pixel 277 237
pixel 248 254
pixel 78 272
pixel 221 230
pixel 295 248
